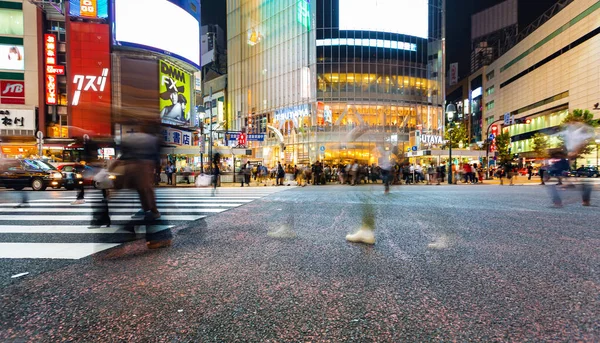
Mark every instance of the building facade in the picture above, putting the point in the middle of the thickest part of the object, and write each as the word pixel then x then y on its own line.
pixel 546 75
pixel 19 68
pixel 320 85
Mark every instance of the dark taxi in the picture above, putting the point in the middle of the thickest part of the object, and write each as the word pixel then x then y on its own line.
pixel 21 173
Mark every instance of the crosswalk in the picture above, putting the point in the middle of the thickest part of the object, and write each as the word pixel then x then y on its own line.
pixel 51 228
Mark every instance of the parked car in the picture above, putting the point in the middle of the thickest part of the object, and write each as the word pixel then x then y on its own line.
pixel 585 172
pixel 21 173
pixel 75 173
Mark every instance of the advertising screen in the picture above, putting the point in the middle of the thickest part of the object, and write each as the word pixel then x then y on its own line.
pixel 158 25
pixel 89 77
pixel 175 93
pixel 11 22
pixel 408 17
pixel 88 8
pixel 12 57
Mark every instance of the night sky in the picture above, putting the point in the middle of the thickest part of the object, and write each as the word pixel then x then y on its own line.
pixel 458 22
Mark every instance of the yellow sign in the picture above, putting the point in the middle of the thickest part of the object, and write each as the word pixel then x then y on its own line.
pixel 88 8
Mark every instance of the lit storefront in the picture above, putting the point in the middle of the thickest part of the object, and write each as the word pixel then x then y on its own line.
pixel 328 87
pixel 18 86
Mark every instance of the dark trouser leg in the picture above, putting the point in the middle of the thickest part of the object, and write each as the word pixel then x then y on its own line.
pixel 586 193
pixel 81 193
pixel 555 196
pixel 101 214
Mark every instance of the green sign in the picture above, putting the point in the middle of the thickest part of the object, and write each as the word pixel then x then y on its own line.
pixel 304 13
pixel 175 94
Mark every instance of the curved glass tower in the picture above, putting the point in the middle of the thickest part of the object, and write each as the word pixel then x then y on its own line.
pixel 333 80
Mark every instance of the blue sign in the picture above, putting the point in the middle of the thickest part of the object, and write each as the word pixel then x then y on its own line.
pixel 492 136
pixel 322 148
pixel 414 148
pixel 257 137
pixel 231 136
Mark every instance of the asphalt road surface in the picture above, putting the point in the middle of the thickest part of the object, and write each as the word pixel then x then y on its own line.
pixel 478 263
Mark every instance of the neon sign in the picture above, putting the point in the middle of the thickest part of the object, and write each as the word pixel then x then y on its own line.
pixel 55 70
pixel 90 82
pixel 50 60
pixel 51 89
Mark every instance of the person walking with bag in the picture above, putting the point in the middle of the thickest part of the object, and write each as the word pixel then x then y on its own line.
pixel 140 151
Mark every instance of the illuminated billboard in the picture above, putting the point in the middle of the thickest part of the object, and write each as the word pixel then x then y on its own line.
pixel 175 93
pixel 408 17
pixel 11 22
pixel 159 26
pixel 12 57
pixel 89 77
pixel 88 8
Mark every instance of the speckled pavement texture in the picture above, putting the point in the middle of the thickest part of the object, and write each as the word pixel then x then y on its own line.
pixel 463 264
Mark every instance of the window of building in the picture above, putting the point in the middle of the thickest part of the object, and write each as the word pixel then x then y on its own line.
pixel 489 75
pixel 489 105
pixel 490 90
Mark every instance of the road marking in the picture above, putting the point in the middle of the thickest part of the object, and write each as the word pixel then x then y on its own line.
pixel 75 229
pixel 88 218
pixel 112 210
pixel 96 204
pixel 111 200
pixel 70 251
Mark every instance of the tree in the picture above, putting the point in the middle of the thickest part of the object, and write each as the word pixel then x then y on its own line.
pixel 456 134
pixel 503 147
pixel 540 145
pixel 580 116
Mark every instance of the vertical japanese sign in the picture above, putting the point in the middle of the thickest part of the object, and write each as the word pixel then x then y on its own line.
pixel 89 79
pixel 50 61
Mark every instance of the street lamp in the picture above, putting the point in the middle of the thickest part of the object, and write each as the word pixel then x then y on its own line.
pixel 597 146
pixel 450 111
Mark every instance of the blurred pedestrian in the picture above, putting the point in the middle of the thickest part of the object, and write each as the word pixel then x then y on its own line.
pixel 140 151
pixel 89 157
pixel 169 169
pixel 280 174
pixel 215 177
pixel 24 199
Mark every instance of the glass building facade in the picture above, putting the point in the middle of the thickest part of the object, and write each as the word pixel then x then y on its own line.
pixel 334 80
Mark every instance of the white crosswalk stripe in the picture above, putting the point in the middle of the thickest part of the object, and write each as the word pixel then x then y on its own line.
pixel 52 228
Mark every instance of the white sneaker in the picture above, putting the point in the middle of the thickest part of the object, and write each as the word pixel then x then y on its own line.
pixel 363 235
pixel 78 202
pixel 283 232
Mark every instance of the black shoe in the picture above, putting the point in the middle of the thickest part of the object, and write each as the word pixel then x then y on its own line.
pixel 98 223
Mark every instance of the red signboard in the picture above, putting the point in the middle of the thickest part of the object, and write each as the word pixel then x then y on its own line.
pixel 50 61
pixel 242 139
pixel 50 49
pixel 89 77
pixel 55 70
pixel 12 92
pixel 494 129
pixel 51 85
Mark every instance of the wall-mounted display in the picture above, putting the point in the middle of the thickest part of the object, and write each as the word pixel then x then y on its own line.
pixel 11 22
pixel 12 57
pixel 408 17
pixel 89 8
pixel 159 26
pixel 175 94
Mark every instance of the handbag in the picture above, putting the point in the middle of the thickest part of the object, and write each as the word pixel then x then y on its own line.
pixel 103 180
pixel 203 180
